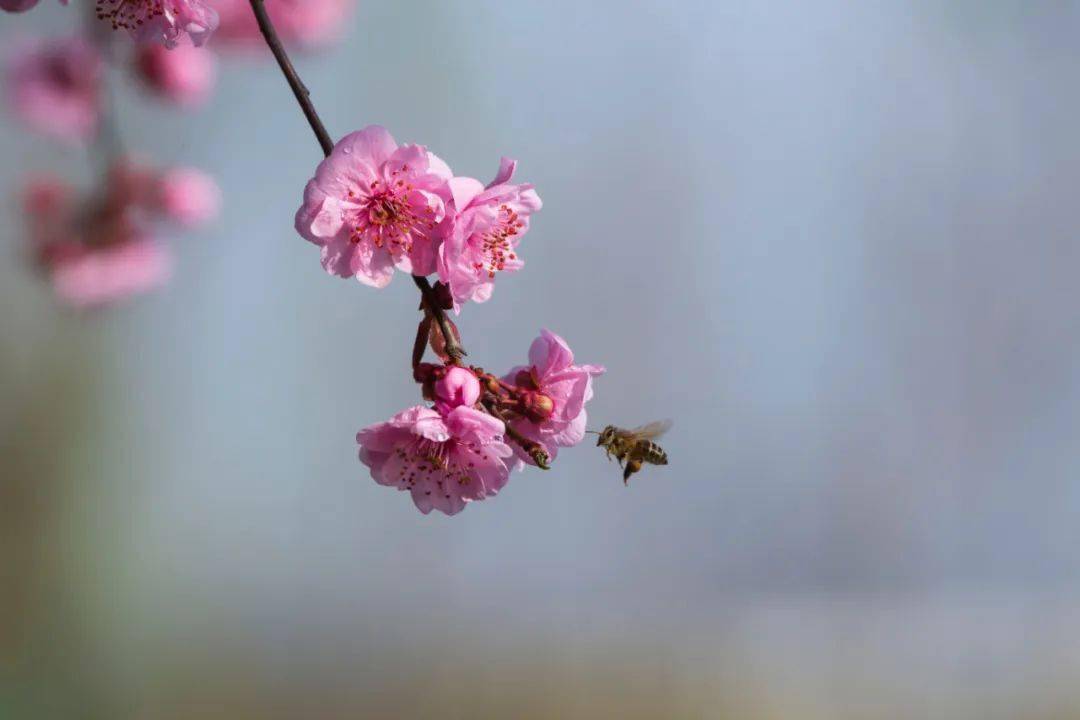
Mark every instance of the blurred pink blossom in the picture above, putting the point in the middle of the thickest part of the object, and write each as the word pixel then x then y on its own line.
pixel 373 206
pixel 164 21
pixel 108 274
pixel 20 5
pixel 188 197
pixel 184 75
pixel 554 391
pixel 54 87
pixel 487 227
pixel 443 460
pixel 94 252
pixel 306 23
pixel 101 248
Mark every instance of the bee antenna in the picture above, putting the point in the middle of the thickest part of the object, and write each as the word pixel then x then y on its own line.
pixel 594 432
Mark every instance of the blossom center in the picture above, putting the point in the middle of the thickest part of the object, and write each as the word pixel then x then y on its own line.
pixel 437 465
pixel 130 14
pixel 496 245
pixel 388 218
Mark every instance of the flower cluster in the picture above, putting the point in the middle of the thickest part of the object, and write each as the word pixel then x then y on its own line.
pixel 99 249
pixel 480 427
pixel 374 206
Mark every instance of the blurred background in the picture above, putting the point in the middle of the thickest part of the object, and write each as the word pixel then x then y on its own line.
pixel 835 242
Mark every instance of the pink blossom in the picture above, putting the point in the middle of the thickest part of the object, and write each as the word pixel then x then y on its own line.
pixel 458 386
pixel 93 253
pixel 187 196
pixel 54 87
pixel 307 23
pixel 100 248
pixel 108 274
pixel 164 21
pixel 443 460
pixel 554 391
pixel 183 75
pixel 373 206
pixel 20 5
pixel 489 224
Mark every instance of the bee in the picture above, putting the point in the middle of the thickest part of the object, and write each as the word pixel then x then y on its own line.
pixel 633 448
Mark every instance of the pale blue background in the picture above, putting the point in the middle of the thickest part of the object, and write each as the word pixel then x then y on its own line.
pixel 835 242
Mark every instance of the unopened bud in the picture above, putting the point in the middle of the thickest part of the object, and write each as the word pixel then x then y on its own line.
pixel 491 383
pixel 541 459
pixel 537 406
pixel 457 386
pixel 526 379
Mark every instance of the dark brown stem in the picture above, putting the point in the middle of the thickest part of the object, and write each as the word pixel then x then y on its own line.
pixel 299 89
pixel 423 331
pixel 535 451
pixel 432 305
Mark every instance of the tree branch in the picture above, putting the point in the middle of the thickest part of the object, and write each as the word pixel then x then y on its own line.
pixel 431 303
pixel 299 89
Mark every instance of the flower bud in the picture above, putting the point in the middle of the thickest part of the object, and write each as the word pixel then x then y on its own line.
pixel 526 379
pixel 537 406
pixel 458 387
pixel 491 384
pixel 438 344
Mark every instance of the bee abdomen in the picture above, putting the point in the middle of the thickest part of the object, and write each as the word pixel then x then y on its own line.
pixel 653 453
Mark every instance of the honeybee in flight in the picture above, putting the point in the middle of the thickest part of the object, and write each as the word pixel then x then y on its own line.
pixel 633 448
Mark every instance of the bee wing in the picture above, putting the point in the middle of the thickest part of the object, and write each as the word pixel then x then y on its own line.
pixel 652 430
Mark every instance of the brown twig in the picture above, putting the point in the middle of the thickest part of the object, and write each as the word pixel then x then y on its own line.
pixel 533 448
pixel 299 89
pixel 435 308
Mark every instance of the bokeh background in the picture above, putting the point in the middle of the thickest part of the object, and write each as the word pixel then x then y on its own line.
pixel 835 242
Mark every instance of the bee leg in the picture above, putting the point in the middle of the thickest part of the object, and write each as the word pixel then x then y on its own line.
pixel 632 466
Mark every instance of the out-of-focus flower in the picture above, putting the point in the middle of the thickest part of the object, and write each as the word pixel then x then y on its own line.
pixel 188 197
pixel 184 75
pixel 307 23
pixel 20 5
pixel 373 206
pixel 94 252
pixel 488 225
pixel 102 248
pixel 164 21
pixel 54 87
pixel 110 274
pixel 553 392
pixel 444 461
